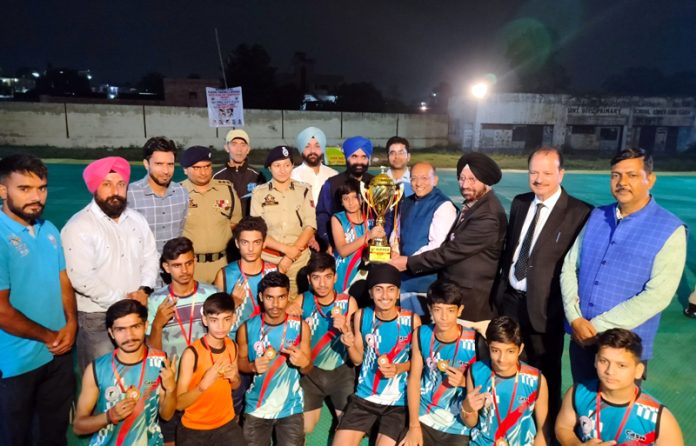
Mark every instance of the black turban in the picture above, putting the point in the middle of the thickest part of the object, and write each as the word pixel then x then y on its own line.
pixel 482 166
pixel 383 273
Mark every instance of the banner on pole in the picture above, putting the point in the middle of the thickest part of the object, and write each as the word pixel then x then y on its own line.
pixel 225 107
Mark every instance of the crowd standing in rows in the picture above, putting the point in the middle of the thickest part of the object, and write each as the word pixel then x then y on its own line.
pixel 239 305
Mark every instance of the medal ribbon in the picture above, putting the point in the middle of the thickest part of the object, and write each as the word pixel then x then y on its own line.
pixel 512 416
pixel 623 421
pixel 332 332
pixel 277 362
pixel 225 345
pixel 393 352
pixel 118 376
pixel 444 384
pixel 257 309
pixel 178 318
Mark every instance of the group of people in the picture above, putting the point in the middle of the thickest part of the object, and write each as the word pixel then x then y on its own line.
pixel 228 308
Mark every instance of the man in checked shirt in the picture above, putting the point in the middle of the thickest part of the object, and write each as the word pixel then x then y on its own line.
pixel 163 202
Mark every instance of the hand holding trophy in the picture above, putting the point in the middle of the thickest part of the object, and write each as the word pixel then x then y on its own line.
pixel 382 194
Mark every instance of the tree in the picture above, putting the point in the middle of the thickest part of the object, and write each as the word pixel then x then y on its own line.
pixel 359 97
pixel 63 82
pixel 250 67
pixel 650 81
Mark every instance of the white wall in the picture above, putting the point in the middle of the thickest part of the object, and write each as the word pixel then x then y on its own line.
pixel 107 125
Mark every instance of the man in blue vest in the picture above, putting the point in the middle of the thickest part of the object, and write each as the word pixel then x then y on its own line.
pixel 625 265
pixel 426 204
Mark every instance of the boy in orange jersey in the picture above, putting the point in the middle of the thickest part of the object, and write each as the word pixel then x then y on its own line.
pixel 207 375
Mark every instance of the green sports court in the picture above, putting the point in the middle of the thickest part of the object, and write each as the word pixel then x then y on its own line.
pixel 670 375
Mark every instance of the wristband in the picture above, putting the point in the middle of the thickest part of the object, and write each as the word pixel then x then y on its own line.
pixel 466 412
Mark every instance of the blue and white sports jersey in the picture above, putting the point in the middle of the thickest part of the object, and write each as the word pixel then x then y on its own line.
pixel 332 353
pixel 441 404
pixel 250 305
pixel 276 393
pixel 391 338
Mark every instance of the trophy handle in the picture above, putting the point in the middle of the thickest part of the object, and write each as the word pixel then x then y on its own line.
pixel 365 193
pixel 397 195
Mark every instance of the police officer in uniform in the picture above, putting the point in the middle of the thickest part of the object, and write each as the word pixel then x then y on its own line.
pixel 214 209
pixel 288 210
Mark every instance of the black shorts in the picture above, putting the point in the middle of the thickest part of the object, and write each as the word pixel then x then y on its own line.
pixel 434 437
pixel 337 384
pixel 361 415
pixel 229 433
pixel 169 427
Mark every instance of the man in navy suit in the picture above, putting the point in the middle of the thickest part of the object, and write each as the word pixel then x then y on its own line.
pixel 543 225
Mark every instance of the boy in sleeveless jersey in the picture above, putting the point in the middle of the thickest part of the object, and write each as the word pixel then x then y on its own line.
pixel 124 392
pixel 274 346
pixel 382 344
pixel 507 400
pixel 442 353
pixel 614 410
pixel 241 279
pixel 328 315
pixel 207 375
pixel 174 311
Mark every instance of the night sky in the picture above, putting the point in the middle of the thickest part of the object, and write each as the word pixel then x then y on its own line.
pixel 404 47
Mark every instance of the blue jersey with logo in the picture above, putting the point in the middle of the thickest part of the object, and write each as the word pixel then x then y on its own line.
pixel 189 308
pixel 641 427
pixel 250 305
pixel 523 431
pixel 145 430
pixel 276 393
pixel 441 404
pixel 333 353
pixel 392 338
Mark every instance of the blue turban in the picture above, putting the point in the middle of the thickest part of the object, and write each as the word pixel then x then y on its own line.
pixel 311 132
pixel 351 145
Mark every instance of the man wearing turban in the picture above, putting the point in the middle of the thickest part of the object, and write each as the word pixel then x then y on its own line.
pixel 469 255
pixel 110 254
pixel 311 142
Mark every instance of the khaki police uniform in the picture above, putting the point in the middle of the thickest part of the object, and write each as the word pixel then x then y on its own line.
pixel 286 213
pixel 209 222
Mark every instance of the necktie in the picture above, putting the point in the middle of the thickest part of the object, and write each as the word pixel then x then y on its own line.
pixel 522 264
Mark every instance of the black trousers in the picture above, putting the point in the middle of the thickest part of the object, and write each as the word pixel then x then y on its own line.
pixel 44 394
pixel 541 350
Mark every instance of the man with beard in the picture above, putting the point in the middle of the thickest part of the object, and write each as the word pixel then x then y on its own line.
pixel 37 311
pixel 312 142
pixel 358 151
pixel 237 170
pixel 214 210
pixel 163 203
pixel 110 254
pixel 470 253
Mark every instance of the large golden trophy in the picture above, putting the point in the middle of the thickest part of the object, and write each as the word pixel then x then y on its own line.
pixel 381 195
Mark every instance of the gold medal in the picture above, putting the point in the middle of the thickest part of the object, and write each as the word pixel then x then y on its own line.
pixel 133 393
pixel 335 311
pixel 270 353
pixel 383 360
pixel 501 442
pixel 442 365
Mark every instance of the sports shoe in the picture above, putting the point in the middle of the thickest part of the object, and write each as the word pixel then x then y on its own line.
pixel 690 311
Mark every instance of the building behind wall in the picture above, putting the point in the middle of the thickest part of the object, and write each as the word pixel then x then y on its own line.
pixel 517 123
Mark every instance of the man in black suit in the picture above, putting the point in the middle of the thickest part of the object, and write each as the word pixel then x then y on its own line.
pixel 470 254
pixel 543 225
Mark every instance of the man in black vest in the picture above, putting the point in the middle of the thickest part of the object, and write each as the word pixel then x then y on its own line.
pixel 470 254
pixel 543 225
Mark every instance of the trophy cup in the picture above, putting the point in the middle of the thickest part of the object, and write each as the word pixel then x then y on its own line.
pixel 381 195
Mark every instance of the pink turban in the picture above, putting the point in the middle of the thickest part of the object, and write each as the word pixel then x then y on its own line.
pixel 96 171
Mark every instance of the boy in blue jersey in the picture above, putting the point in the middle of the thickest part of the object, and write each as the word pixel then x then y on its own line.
pixel 274 346
pixel 614 410
pixel 174 311
pixel 241 279
pixel 382 344
pixel 442 353
pixel 124 392
pixel 328 315
pixel 507 400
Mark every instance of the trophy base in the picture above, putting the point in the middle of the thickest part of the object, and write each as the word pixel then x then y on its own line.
pixel 380 254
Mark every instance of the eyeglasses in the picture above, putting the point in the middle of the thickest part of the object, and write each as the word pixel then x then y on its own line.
pixel 398 153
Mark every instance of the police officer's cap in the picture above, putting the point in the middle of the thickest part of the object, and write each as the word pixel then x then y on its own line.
pixel 194 154
pixel 277 153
